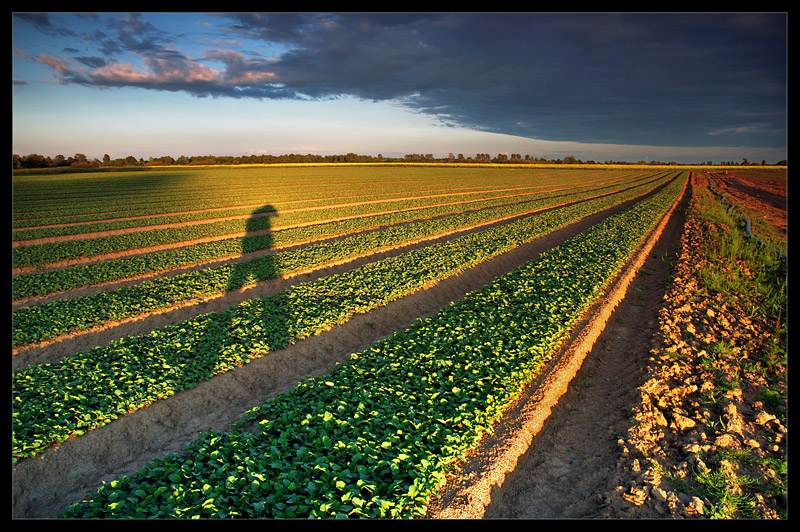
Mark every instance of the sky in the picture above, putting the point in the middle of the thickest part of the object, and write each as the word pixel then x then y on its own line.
pixel 671 87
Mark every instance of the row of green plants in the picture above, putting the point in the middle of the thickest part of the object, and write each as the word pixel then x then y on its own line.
pixel 291 212
pixel 37 284
pixel 62 202
pixel 164 196
pixel 38 323
pixel 91 198
pixel 40 254
pixel 52 402
pixel 377 435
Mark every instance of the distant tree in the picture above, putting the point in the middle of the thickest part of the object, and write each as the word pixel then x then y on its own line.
pixel 80 161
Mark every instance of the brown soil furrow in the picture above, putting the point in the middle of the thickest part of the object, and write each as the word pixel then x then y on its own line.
pixel 560 432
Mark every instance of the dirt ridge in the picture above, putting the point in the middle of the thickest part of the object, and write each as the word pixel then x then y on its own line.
pixel 481 483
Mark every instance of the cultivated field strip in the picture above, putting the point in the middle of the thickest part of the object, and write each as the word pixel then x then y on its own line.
pixel 366 203
pixel 229 222
pixel 376 436
pixel 174 194
pixel 202 187
pixel 395 277
pixel 95 387
pixel 41 283
pixel 233 221
pixel 49 321
pixel 307 225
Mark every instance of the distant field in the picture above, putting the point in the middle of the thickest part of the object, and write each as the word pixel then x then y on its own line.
pixel 131 288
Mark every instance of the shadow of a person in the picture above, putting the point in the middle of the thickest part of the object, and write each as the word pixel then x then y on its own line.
pixel 247 330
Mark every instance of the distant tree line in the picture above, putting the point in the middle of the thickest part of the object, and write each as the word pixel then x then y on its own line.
pixel 80 160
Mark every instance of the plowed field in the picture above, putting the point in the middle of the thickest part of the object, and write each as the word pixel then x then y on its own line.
pixel 186 244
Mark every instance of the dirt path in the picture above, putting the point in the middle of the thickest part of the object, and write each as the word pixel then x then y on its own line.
pixel 578 444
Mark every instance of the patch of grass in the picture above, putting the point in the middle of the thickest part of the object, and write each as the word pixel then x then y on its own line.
pixel 734 496
pixel 773 354
pixel 777 483
pixel 739 268
pixel 774 473
pixel 717 487
pixel 728 504
pixel 774 401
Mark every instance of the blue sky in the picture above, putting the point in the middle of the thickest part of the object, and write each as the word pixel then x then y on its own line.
pixel 684 87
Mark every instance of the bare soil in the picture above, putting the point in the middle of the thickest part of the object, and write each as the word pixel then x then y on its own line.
pixel 764 198
pixel 555 452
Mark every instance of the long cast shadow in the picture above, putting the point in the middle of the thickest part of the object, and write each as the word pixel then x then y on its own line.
pixel 251 329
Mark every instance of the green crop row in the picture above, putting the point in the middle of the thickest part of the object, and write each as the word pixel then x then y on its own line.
pixel 163 192
pixel 163 199
pixel 46 321
pixel 52 402
pixel 330 208
pixel 376 436
pixel 43 283
pixel 38 254
pixel 408 198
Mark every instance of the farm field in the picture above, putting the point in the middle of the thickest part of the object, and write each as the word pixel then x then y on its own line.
pixel 688 384
pixel 300 341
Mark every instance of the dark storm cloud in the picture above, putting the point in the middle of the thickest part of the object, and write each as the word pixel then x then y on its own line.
pixel 599 78
pixel 672 79
pixel 92 62
pixel 43 23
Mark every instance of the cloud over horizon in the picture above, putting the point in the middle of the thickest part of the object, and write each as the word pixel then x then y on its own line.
pixel 657 79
